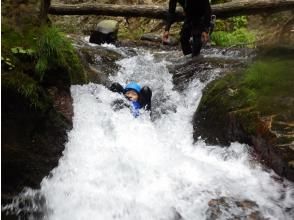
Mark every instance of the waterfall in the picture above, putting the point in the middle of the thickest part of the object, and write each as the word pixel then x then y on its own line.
pixel 115 166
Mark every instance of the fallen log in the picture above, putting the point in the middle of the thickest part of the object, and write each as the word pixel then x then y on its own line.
pixel 243 7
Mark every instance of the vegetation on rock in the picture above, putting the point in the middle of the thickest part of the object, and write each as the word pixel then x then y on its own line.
pixel 232 31
pixel 255 107
pixel 55 53
pixel 38 65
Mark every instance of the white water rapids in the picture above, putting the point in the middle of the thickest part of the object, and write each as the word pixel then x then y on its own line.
pixel 115 166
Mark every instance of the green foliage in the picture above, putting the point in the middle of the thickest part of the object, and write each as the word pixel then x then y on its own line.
pixel 55 53
pixel 26 87
pixel 232 31
pixel 7 63
pixel 238 22
pixel 126 33
pixel 269 82
pixel 239 36
pixel 267 85
pixel 21 50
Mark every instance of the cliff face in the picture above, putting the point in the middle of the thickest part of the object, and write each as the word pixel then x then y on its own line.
pixel 253 107
pixel 38 65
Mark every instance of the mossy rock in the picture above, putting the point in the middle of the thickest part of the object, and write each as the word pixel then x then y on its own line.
pixel 255 107
pixel 33 138
pixel 100 62
pixel 34 132
pixel 26 87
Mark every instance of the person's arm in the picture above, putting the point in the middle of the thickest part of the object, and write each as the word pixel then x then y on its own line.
pixel 116 87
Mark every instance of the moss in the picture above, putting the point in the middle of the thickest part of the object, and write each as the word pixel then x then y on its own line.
pixel 269 82
pixel 239 36
pixel 126 33
pixel 27 47
pixel 232 31
pixel 248 119
pixel 28 88
pixel 240 100
pixel 55 53
pixel 266 85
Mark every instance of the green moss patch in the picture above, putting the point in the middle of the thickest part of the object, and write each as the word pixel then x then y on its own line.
pixel 255 106
pixel 233 31
pixel 28 88
pixel 269 83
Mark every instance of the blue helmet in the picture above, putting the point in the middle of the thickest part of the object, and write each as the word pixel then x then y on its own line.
pixel 133 86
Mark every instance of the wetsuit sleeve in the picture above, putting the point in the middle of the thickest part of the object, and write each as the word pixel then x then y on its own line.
pixel 171 14
pixel 116 87
pixel 207 16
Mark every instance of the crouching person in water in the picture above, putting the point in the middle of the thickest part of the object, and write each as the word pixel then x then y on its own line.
pixel 140 98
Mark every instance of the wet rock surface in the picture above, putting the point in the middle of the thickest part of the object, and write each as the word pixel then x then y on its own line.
pixel 230 208
pixel 226 114
pixel 98 61
pixel 32 142
pixel 222 123
pixel 187 68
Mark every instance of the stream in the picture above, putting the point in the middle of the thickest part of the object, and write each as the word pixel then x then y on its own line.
pixel 115 166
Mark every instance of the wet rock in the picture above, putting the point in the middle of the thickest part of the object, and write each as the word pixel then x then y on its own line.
pixel 32 143
pixel 99 62
pixel 106 32
pixel 220 121
pixel 230 208
pixel 62 101
pixel 157 38
pixel 227 114
pixel 200 67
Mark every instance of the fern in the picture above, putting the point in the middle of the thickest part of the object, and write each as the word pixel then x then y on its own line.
pixel 55 52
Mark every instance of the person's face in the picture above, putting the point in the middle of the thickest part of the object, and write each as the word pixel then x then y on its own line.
pixel 132 95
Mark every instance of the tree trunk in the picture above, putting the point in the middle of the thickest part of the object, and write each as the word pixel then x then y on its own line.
pixel 44 9
pixel 244 7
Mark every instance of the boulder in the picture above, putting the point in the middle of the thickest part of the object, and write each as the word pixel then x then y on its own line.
pixel 106 32
pixel 230 208
pixel 100 62
pixel 255 107
pixel 32 142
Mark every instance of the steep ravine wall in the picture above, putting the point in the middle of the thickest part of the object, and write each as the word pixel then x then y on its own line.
pixel 36 110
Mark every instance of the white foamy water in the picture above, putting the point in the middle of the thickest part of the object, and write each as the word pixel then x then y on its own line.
pixel 116 166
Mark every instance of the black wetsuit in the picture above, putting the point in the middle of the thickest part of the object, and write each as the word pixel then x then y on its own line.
pixel 144 96
pixel 197 20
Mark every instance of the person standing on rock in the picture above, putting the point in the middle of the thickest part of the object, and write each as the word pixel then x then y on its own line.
pixel 196 24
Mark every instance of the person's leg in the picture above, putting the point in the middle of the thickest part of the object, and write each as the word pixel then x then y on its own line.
pixel 145 98
pixel 185 37
pixel 116 87
pixel 197 42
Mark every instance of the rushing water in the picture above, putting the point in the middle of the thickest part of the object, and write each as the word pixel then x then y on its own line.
pixel 115 166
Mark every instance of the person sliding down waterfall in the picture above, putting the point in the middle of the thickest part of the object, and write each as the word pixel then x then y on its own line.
pixel 139 98
pixel 197 24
